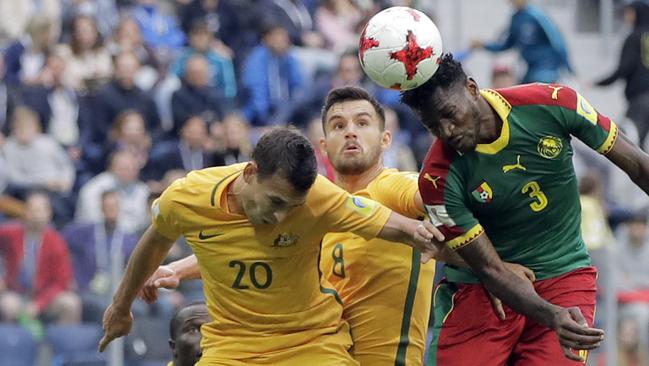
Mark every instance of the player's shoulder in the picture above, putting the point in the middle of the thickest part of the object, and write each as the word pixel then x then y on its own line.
pixel 198 183
pixel 390 180
pixel 537 94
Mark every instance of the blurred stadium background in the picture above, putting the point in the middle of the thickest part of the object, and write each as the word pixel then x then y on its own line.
pixel 103 103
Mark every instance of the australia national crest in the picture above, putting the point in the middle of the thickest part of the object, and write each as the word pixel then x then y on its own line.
pixel 285 240
pixel 483 193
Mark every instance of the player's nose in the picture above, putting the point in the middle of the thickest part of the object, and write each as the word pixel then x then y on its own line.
pixel 280 215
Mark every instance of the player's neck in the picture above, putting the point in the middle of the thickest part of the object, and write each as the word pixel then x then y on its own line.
pixel 357 182
pixel 233 199
pixel 490 126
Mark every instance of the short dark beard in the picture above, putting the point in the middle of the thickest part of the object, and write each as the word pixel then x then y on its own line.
pixel 357 167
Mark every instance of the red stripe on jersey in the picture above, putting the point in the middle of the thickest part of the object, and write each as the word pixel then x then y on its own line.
pixel 432 181
pixel 538 93
pixel 434 170
pixel 547 94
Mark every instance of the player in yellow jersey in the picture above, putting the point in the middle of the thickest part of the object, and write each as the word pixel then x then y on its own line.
pixel 386 293
pixel 256 229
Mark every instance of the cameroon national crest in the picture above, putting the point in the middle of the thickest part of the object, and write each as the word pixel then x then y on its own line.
pixel 550 147
pixel 483 193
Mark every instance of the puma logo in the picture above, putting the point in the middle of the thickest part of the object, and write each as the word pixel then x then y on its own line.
pixel 507 168
pixel 431 179
pixel 555 91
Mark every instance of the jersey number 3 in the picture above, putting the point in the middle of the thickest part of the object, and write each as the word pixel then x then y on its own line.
pixel 534 191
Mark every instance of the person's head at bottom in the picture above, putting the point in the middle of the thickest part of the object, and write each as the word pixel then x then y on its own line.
pixel 185 333
pixel 282 169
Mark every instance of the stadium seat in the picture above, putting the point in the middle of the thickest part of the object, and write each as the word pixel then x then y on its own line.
pixel 17 346
pixel 75 344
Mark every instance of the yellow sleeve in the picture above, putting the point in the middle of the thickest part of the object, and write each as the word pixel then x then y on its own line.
pixel 164 216
pixel 344 212
pixel 397 192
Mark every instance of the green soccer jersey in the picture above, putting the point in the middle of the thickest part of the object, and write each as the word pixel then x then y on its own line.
pixel 521 189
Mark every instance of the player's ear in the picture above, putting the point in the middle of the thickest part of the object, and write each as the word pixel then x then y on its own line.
pixel 172 345
pixel 472 87
pixel 249 172
pixel 323 145
pixel 386 139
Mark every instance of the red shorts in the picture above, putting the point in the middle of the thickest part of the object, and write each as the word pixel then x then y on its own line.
pixel 467 330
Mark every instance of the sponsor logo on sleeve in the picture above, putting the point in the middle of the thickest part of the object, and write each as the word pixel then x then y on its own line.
pixel 361 205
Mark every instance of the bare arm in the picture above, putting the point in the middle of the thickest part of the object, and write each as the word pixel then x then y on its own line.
pixel 420 235
pixel 169 276
pixel 635 162
pixel 147 256
pixel 516 292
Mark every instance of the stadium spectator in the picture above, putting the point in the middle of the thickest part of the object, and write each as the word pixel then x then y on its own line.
pixel 56 104
pixel 88 63
pixel 295 18
pixel 122 175
pixel 21 12
pixel 104 11
pixel 127 38
pixel 37 161
pixel 231 140
pixel 129 134
pixel 160 30
pixel 633 272
pixel 337 20
pixel 9 206
pixel 202 41
pixel 399 155
pixel 633 68
pixel 185 334
pixel 271 77
pixel 538 40
pixel 630 349
pixel 95 248
pixel 38 276
pixel 121 94
pixel 196 97
pixel 502 76
pixel 25 57
pixel 188 153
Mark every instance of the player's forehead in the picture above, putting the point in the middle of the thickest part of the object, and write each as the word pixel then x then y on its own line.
pixel 350 109
pixel 277 186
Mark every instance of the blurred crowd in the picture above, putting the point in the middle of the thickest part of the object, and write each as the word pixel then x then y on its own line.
pixel 104 103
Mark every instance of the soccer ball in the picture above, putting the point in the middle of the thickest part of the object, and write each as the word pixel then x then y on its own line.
pixel 400 48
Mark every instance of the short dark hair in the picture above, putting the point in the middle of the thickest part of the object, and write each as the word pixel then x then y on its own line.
pixel 448 75
pixel 174 324
pixel 351 93
pixel 286 150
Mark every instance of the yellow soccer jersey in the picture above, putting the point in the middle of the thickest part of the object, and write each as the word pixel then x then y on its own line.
pixel 386 292
pixel 265 293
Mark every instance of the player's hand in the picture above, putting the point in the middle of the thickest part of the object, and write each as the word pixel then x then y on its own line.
pixel 117 323
pixel 522 272
pixel 427 239
pixel 163 277
pixel 574 333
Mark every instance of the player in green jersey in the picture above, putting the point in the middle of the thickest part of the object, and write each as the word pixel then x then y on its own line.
pixel 501 172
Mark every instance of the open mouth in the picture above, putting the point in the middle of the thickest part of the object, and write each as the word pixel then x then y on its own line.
pixel 352 148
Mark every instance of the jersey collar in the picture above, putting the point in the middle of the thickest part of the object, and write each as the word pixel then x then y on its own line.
pixel 502 107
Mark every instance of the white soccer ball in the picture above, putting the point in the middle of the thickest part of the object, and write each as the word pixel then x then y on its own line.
pixel 400 48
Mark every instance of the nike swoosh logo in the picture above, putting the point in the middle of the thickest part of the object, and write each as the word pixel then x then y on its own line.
pixel 202 236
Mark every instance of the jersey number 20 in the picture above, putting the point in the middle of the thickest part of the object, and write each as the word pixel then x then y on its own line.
pixel 534 191
pixel 253 275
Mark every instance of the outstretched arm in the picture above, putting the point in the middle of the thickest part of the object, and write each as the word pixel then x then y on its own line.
pixel 421 235
pixel 569 323
pixel 635 162
pixel 147 256
pixel 169 276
